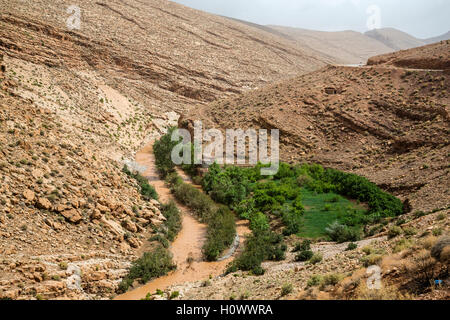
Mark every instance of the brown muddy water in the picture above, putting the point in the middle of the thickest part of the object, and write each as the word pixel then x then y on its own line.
pixel 187 247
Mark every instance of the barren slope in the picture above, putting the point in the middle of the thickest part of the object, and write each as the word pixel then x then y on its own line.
pixel 434 56
pixel 166 54
pixel 70 220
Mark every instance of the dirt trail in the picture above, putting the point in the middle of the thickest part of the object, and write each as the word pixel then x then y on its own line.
pixel 188 243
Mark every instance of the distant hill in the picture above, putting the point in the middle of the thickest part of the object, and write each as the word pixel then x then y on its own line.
pixel 395 39
pixel 346 47
pixel 445 36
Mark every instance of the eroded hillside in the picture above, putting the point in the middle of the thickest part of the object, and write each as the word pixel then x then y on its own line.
pixel 166 54
pixel 70 220
pixel 433 57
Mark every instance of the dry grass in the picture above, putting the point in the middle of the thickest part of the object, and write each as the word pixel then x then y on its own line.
pixel 385 293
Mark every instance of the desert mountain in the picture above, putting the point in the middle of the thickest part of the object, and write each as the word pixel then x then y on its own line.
pixel 443 37
pixel 399 40
pixel 395 39
pixel 347 47
pixel 386 123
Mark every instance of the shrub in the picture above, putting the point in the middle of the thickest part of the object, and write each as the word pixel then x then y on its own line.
pixel 163 153
pixel 305 245
pixel 394 232
pixel 331 279
pixel 292 219
pixel 315 281
pixel 260 246
pixel 304 255
pixel 151 265
pixel 259 222
pixel 304 180
pixel 228 186
pixel 161 239
pixel 148 297
pixel 316 258
pixel 174 295
pixel 351 246
pixel 342 233
pixel 286 289
pixel 437 232
pixel 201 204
pixel 371 260
pixel 173 220
pixel 221 233
pixel 429 242
pixel 284 171
pixel 419 214
pixel 410 231
pixel 147 191
pixel 368 250
pixel 402 245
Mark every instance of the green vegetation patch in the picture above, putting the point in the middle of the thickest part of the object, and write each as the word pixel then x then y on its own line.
pixel 322 209
pixel 147 190
pixel 151 265
pixel 220 220
pixel 308 199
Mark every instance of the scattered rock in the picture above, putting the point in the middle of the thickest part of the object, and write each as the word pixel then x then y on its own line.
pixel 44 203
pixel 72 215
pixel 29 195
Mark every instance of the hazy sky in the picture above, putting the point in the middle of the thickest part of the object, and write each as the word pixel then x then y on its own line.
pixel 421 18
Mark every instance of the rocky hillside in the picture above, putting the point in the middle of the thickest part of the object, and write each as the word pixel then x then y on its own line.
pixel 166 55
pixel 434 56
pixel 388 124
pixel 70 220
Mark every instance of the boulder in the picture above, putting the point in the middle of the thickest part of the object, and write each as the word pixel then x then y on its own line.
pixel 72 215
pixel 102 209
pixel 96 215
pixel 29 195
pixel 134 243
pixel 44 203
pixel 130 226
